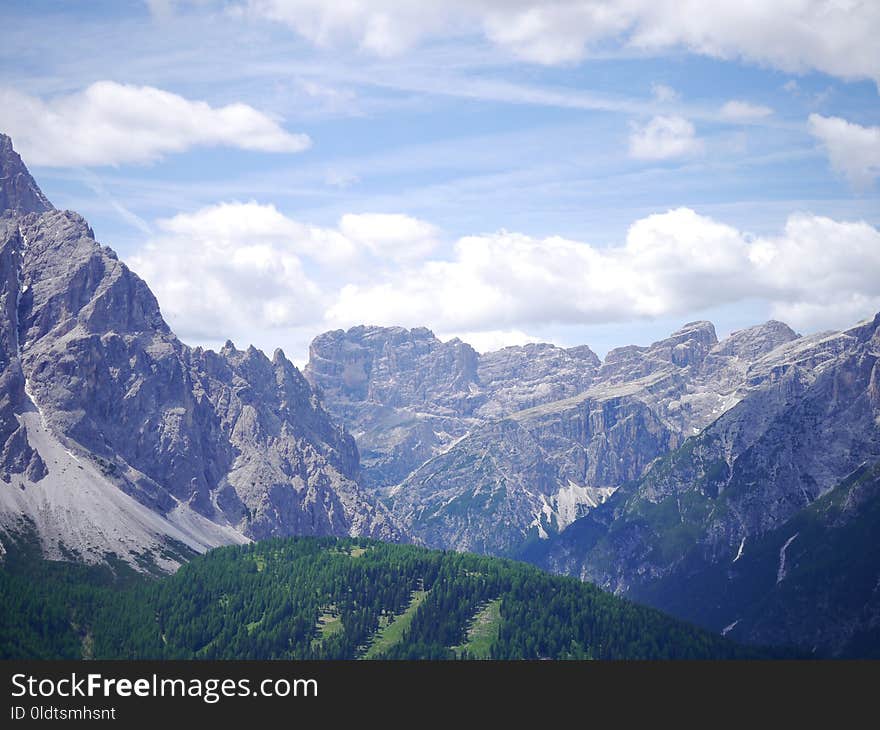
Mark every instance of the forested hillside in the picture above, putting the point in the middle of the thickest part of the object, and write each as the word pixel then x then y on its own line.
pixel 322 598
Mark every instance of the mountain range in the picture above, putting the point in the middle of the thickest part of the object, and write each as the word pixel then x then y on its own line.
pixel 733 483
pixel 118 439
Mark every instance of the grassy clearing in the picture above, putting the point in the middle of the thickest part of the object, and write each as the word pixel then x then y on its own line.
pixel 355 551
pixel 329 623
pixel 392 633
pixel 254 625
pixel 482 632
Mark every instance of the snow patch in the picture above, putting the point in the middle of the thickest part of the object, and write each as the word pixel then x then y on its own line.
pixel 739 553
pixel 780 572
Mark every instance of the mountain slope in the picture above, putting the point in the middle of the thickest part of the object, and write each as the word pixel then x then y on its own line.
pixel 19 192
pixel 812 581
pixel 745 484
pixel 492 455
pixel 404 394
pixel 173 443
pixel 341 599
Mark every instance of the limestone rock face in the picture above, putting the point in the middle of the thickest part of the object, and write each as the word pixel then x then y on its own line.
pixel 796 458
pixel 516 378
pixel 573 428
pixel 181 445
pixel 19 194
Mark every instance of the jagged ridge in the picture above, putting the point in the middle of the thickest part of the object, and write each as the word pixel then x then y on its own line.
pixel 194 446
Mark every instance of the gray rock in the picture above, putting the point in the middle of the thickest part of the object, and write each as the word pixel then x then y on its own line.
pixel 19 193
pixel 224 446
pixel 578 428
pixel 16 455
pixel 516 378
pixel 403 394
pixel 808 417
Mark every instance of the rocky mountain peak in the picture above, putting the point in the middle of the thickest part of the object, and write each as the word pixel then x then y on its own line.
pixel 19 193
pixel 391 365
pixel 115 437
pixel 702 330
pixel 72 281
pixel 753 342
pixel 685 347
pixel 867 330
pixel 583 352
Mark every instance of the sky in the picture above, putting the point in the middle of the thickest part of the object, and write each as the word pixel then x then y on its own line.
pixel 503 171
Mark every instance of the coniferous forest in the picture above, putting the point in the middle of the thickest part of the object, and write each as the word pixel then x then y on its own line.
pixel 322 598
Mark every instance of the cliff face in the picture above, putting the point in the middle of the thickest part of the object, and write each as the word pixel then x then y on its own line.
pixel 203 447
pixel 705 532
pixel 731 483
pixel 403 394
pixel 19 194
pixel 551 432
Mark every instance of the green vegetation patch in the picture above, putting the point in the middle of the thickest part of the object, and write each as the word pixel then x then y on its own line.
pixel 394 631
pixel 482 632
pixel 323 598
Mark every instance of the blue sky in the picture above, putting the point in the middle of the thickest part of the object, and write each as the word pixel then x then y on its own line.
pixel 573 171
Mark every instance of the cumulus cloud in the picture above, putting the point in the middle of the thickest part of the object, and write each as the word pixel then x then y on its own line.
pixel 229 267
pixel 110 123
pixel 837 38
pixel 673 263
pixel 854 150
pixel 745 111
pixel 383 27
pixel 663 138
pixel 551 33
pixel 239 268
pixel 233 267
pixel 390 235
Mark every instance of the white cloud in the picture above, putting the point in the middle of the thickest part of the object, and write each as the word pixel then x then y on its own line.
pixel 664 93
pixel 232 268
pixel 390 235
pixel 663 138
pixel 551 33
pixel 241 269
pixel 338 178
pixel 854 150
pixel 233 226
pixel 674 263
pixel 492 340
pixel 229 268
pixel 383 27
pixel 110 123
pixel 745 111
pixel 834 37
pixel 838 38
